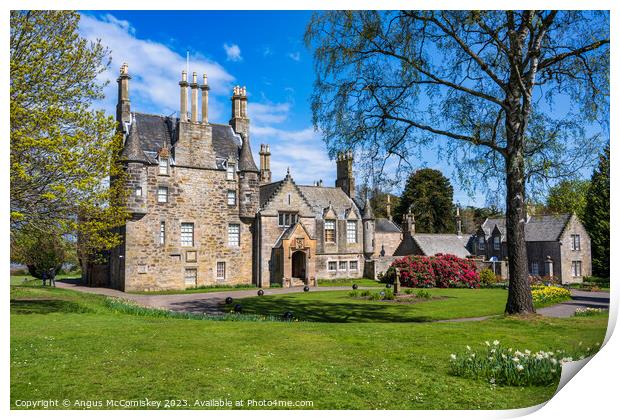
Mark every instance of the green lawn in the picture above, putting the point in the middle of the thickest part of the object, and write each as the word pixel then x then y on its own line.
pixel 68 345
pixel 337 306
pixel 205 289
pixel 28 280
pixel 350 282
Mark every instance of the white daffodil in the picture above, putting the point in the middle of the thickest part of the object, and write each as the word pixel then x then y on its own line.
pixel 487 343
pixel 496 343
pixel 520 368
pixel 453 356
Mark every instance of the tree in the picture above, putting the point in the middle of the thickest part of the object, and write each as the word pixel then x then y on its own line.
pixel 472 217
pixel 62 151
pixel 596 216
pixel 429 194
pixel 569 196
pixel 478 85
pixel 40 251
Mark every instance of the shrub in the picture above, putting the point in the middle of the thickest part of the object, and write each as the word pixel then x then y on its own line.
pixel 589 311
pixel 423 294
pixel 549 294
pixel 437 271
pixel 354 293
pixel 365 293
pixel 502 366
pixel 599 281
pixel 487 277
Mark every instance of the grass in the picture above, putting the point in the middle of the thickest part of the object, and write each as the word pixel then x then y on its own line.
pixel 28 280
pixel 72 345
pixel 339 306
pixel 349 282
pixel 199 289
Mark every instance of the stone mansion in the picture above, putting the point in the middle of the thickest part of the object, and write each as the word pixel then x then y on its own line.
pixel 203 213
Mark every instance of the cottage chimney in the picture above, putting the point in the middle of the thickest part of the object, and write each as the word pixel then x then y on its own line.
pixel 123 108
pixel 194 87
pixel 265 169
pixel 183 83
pixel 459 232
pixel 388 208
pixel 239 119
pixel 205 99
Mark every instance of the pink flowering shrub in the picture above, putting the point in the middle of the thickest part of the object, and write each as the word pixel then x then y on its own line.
pixel 437 271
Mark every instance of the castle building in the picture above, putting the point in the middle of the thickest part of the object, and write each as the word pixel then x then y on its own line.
pixel 202 212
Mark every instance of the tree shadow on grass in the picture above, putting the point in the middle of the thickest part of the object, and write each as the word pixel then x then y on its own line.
pixel 45 306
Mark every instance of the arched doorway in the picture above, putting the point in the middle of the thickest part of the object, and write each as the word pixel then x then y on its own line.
pixel 299 265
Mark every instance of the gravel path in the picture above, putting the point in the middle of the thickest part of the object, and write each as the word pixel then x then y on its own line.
pixel 209 302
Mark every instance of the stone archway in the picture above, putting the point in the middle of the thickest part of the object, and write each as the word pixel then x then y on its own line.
pixel 298 265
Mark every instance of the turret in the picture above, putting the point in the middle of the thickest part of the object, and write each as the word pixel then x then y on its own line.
pixel 123 106
pixel 265 165
pixel 344 173
pixel 368 219
pixel 248 180
pixel 135 163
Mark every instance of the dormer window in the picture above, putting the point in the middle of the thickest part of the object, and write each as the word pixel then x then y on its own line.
pixel 496 243
pixel 481 243
pixel 163 166
pixel 330 231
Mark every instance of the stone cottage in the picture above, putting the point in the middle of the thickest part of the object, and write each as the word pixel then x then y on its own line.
pixel 557 245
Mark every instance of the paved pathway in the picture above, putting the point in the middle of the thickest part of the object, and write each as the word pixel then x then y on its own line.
pixel 209 302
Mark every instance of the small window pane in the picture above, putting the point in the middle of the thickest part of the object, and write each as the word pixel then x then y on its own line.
pixel 230 172
pixel 221 270
pixel 351 232
pixel 162 194
pixel 138 191
pixel 330 231
pixel 232 198
pixel 191 275
pixel 187 234
pixel 481 243
pixel 342 265
pixel 233 235
pixel 163 166
pixel 331 265
pixel 496 243
pixel 162 233
pixel 353 265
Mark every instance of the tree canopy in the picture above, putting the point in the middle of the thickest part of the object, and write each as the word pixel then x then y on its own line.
pixel 569 196
pixel 429 194
pixel 479 86
pixel 62 150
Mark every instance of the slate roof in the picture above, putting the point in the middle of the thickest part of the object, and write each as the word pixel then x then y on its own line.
pixel 267 190
pixel 148 133
pixel 441 243
pixel 383 225
pixel 320 198
pixel 542 228
pixel 246 161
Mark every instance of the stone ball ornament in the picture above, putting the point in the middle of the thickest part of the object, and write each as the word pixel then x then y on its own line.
pixel 389 285
pixel 354 286
pixel 260 292
pixel 288 315
pixel 382 293
pixel 238 308
pixel 306 288
pixel 229 300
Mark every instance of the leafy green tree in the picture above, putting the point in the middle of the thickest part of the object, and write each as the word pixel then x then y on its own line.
pixel 474 85
pixel 62 150
pixel 41 251
pixel 429 194
pixel 569 196
pixel 472 217
pixel 596 216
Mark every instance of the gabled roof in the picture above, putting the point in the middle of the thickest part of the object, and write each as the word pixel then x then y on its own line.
pixel 320 198
pixel 288 232
pixel 542 228
pixel 383 225
pixel 149 133
pixel 440 243
pixel 266 191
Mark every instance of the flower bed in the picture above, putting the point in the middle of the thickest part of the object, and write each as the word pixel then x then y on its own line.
pixel 437 271
pixel 549 294
pixel 502 366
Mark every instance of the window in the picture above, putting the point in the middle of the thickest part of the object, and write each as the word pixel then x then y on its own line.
pixel 230 172
pixel 191 275
pixel 138 191
pixel 576 268
pixel 288 198
pixel 351 232
pixel 496 242
pixel 163 166
pixel 286 219
pixel 330 231
pixel 162 233
pixel 535 269
pixel 342 265
pixel 353 265
pixel 331 266
pixel 162 194
pixel 575 243
pixel 231 197
pixel 221 270
pixel 233 235
pixel 481 243
pixel 187 234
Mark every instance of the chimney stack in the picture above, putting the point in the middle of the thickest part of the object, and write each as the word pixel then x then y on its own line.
pixel 459 232
pixel 194 87
pixel 239 119
pixel 123 108
pixel 183 83
pixel 205 99
pixel 388 208
pixel 265 164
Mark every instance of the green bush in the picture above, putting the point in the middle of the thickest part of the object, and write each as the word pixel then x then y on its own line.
pixel 354 293
pixel 409 291
pixel 487 277
pixel 423 294
pixel 599 281
pixel 365 293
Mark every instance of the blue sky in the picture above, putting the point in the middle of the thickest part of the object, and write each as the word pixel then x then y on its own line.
pixel 262 50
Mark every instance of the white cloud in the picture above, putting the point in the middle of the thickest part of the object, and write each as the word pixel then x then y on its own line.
pixel 155 68
pixel 295 56
pixel 233 52
pixel 268 113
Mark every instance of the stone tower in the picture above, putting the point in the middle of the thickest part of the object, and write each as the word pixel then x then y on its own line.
pixel 368 219
pixel 344 173
pixel 265 164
